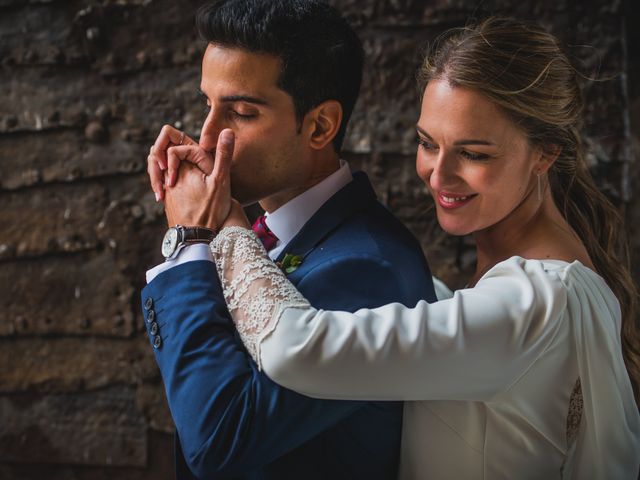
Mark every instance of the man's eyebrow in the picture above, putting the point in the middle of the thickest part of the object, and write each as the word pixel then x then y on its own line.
pixel 458 142
pixel 244 98
pixel 238 98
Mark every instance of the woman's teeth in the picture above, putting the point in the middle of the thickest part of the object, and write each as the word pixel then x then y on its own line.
pixel 454 199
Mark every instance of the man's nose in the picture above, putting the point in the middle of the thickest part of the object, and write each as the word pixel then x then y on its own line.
pixel 211 128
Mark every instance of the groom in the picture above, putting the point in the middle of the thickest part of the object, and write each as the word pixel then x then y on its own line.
pixel 284 76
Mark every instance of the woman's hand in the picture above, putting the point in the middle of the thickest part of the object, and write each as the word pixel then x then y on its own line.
pixel 160 168
pixel 236 217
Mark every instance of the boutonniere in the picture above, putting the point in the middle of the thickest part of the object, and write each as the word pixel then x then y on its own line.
pixel 290 263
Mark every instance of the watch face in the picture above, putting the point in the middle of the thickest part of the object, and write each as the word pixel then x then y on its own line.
pixel 170 242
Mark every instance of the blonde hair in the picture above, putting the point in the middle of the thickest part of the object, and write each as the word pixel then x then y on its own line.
pixel 523 69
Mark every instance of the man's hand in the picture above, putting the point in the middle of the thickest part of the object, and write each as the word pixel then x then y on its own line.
pixel 160 168
pixel 199 199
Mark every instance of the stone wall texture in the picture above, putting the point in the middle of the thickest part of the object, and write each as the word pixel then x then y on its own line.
pixel 85 85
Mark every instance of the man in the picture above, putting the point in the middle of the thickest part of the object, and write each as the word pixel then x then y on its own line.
pixel 280 79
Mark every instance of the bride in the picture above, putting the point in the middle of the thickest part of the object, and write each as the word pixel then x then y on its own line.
pixel 529 371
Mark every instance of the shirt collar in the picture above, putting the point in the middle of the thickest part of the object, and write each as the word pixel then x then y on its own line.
pixel 286 221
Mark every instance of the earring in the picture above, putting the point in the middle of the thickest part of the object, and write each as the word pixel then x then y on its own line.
pixel 539 174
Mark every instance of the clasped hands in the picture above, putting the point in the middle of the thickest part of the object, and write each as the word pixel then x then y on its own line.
pixel 201 196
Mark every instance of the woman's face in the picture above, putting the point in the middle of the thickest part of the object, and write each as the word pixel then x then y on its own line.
pixel 478 166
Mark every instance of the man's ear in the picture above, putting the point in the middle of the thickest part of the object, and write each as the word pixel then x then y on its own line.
pixel 548 155
pixel 323 123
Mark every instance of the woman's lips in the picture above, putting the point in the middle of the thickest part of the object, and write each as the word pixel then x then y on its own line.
pixel 454 200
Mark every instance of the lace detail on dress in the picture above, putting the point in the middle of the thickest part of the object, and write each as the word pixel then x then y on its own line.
pixel 254 288
pixel 575 412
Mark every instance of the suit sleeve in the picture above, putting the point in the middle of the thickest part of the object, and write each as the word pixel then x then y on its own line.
pixel 230 417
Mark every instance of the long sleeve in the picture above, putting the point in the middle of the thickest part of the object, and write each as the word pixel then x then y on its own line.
pixel 468 347
pixel 485 344
pixel 252 284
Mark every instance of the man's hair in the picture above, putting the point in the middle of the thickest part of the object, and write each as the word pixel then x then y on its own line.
pixel 321 55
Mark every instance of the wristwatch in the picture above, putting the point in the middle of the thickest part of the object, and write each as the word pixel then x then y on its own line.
pixel 179 236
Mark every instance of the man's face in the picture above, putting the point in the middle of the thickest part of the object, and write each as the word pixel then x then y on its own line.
pixel 242 94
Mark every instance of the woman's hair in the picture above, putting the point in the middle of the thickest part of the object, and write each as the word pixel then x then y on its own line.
pixel 522 69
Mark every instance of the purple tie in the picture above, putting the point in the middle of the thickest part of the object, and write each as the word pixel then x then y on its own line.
pixel 265 235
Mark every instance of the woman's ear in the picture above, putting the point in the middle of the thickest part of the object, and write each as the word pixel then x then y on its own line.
pixel 323 123
pixel 548 155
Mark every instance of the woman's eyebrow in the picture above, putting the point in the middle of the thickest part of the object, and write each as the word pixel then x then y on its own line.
pixel 457 142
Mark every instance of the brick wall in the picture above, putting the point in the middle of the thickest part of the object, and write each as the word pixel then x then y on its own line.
pixel 84 88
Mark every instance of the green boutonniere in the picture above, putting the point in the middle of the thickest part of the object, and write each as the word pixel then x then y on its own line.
pixel 290 263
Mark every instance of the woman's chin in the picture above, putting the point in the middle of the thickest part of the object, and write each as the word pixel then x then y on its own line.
pixel 454 228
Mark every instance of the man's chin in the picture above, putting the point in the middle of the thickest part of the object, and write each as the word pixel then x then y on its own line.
pixel 243 197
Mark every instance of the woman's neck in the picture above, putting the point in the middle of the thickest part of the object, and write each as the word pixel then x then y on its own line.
pixel 534 230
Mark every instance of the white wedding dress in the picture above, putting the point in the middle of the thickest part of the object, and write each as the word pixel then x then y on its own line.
pixel 487 375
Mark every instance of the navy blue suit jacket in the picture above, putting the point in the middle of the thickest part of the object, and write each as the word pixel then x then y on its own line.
pixel 232 421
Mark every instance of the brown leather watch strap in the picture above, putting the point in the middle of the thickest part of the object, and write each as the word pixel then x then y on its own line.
pixel 198 235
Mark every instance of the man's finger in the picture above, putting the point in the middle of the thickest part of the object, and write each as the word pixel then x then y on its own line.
pixel 219 183
pixel 224 154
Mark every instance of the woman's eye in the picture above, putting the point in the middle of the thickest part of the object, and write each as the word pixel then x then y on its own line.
pixel 426 144
pixel 474 156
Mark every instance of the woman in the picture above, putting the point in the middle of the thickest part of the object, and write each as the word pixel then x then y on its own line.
pixel 521 374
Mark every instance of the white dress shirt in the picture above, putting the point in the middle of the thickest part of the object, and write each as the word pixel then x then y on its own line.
pixel 285 222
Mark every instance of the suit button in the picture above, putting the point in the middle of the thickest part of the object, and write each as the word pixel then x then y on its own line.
pixel 148 303
pixel 157 341
pixel 153 328
pixel 151 316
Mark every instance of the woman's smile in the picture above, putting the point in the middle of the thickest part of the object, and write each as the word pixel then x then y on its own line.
pixel 453 200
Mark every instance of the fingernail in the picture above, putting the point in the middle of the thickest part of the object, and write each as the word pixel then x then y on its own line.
pixel 226 137
pixel 157 196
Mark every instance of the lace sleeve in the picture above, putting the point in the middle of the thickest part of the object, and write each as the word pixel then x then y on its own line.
pixel 254 287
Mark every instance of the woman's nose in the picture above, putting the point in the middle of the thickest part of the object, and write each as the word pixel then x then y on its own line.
pixel 435 168
pixel 444 171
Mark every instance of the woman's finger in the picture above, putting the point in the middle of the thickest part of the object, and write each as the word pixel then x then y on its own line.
pixel 169 136
pixel 190 153
pixel 156 177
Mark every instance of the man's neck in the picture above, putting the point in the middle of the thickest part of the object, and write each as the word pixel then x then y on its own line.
pixel 323 170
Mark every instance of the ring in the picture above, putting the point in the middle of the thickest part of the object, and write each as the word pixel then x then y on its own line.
pixel 181 138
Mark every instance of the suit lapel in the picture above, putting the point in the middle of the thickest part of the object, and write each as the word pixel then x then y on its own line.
pixel 352 198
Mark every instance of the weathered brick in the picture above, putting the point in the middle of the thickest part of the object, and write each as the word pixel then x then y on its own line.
pixel 94 428
pixel 152 403
pixel 52 220
pixel 159 466
pixel 67 365
pixel 82 294
pixel 85 88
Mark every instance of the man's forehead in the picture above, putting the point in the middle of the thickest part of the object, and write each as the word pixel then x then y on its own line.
pixel 236 71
